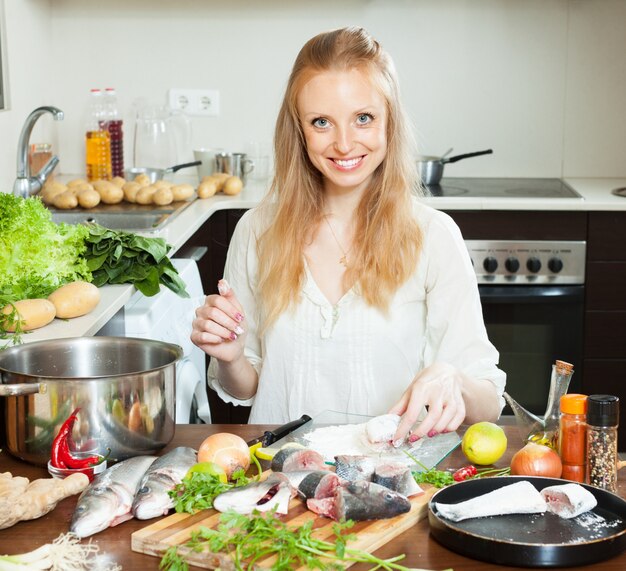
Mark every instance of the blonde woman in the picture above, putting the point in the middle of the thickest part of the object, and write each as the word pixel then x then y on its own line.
pixel 342 291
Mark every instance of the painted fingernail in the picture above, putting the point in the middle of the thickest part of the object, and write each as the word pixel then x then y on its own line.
pixel 414 438
pixel 397 443
pixel 223 287
pixel 238 330
pixel 239 317
pixel 432 433
pixel 233 336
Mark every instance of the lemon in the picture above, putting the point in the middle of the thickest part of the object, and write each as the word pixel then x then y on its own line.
pixel 209 468
pixel 264 453
pixel 484 443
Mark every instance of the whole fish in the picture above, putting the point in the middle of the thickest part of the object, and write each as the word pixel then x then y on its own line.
pixel 262 496
pixel 107 501
pixel 361 501
pixel 152 498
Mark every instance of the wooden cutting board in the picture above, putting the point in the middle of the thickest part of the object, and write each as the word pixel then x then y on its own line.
pixel 371 535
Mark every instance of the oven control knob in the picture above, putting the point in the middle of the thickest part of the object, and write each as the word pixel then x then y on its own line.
pixel 511 264
pixel 533 265
pixel 490 264
pixel 555 265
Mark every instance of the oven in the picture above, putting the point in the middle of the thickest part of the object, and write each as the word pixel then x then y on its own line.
pixel 532 296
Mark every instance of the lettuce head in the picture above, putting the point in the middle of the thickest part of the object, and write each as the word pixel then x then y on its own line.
pixel 37 256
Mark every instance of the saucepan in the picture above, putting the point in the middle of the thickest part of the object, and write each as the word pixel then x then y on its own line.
pixel 431 168
pixel 124 389
pixel 155 174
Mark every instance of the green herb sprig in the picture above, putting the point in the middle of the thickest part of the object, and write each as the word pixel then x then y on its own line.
pixel 250 538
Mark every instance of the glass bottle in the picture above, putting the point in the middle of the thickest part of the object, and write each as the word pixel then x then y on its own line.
pixel 602 423
pixel 547 430
pixel 97 140
pixel 114 125
pixel 573 436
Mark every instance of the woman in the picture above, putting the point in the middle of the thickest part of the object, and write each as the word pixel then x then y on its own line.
pixel 342 291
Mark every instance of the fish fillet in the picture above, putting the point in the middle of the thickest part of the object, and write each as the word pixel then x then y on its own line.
pixel 519 498
pixel 568 500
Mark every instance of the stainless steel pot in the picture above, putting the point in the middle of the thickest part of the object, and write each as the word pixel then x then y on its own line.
pixel 431 168
pixel 124 387
pixel 155 174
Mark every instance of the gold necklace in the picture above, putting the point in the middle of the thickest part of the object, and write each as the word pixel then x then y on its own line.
pixel 343 260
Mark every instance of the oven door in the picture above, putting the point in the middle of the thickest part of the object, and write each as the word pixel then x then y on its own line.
pixel 532 327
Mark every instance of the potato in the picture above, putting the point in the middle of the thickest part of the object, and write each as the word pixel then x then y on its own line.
pixel 52 189
pixel 145 194
pixel 232 185
pixel 74 299
pixel 130 191
pixel 34 313
pixel 208 188
pixel 182 191
pixel 162 196
pixel 77 188
pixel 163 184
pixel 77 182
pixel 109 193
pixel 142 179
pixel 65 200
pixel 118 181
pixel 88 198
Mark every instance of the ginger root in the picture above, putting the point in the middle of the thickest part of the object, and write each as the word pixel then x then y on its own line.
pixel 37 498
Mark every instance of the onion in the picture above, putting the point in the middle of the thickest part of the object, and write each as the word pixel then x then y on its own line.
pixel 536 460
pixel 227 450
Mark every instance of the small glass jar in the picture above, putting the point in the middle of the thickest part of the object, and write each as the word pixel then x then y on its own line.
pixel 572 436
pixel 602 423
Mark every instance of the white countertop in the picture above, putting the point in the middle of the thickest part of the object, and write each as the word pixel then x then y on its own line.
pixel 596 193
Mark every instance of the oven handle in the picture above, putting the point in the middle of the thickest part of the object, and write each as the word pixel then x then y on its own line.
pixel 531 294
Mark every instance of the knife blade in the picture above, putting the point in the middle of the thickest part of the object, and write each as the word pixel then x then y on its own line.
pixel 271 436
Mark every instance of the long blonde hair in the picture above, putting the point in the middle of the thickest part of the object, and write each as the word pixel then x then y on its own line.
pixel 387 238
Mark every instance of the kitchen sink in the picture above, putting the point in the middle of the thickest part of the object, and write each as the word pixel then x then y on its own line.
pixel 127 217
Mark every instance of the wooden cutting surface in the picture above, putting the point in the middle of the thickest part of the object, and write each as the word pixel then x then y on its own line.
pixel 370 535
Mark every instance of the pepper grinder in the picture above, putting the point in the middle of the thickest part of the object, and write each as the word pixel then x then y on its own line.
pixel 602 423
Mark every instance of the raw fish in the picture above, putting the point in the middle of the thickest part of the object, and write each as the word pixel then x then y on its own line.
pixel 568 500
pixel 314 483
pixel 292 459
pixel 381 429
pixel 397 477
pixel 519 498
pixel 261 496
pixel 355 467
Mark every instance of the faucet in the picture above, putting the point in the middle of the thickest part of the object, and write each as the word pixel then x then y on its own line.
pixel 26 183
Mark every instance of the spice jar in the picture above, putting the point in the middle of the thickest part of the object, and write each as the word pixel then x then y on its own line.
pixel 602 422
pixel 572 436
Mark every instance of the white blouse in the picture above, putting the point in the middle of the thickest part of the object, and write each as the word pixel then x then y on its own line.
pixel 350 357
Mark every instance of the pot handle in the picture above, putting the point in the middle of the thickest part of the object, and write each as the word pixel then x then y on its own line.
pixel 19 389
pixel 466 156
pixel 183 166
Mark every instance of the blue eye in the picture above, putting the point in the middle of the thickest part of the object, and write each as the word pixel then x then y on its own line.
pixel 320 122
pixel 364 118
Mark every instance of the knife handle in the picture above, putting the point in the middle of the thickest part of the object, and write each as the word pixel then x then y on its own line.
pixel 271 436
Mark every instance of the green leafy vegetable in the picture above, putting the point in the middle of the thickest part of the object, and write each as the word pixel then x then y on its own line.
pixel 249 538
pixel 198 490
pixel 37 256
pixel 117 257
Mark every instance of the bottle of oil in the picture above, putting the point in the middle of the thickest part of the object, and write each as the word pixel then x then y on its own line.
pixel 114 125
pixel 97 140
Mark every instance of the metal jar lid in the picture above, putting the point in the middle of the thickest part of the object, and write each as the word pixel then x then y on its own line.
pixel 602 410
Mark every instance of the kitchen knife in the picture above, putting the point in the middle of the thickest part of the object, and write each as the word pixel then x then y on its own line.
pixel 271 436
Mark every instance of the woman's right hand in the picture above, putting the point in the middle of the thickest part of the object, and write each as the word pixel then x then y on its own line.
pixel 219 326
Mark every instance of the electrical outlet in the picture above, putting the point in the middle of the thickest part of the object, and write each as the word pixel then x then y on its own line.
pixel 200 102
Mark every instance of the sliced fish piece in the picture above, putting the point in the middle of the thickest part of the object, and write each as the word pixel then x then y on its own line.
pixel 291 459
pixel 518 498
pixel 397 477
pixel 261 496
pixel 353 467
pixel 360 501
pixel 568 500
pixel 107 501
pixel 152 498
pixel 314 483
pixel 381 429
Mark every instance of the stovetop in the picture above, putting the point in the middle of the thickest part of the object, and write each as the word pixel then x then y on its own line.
pixel 503 188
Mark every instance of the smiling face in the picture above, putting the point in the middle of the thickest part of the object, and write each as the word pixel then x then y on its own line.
pixel 344 120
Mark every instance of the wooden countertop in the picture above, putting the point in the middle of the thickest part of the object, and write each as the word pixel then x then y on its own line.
pixel 421 550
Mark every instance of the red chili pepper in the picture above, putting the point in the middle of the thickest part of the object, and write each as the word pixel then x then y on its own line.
pixel 465 473
pixel 60 449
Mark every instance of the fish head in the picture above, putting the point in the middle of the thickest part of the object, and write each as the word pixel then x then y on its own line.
pixel 94 512
pixel 378 500
pixel 151 500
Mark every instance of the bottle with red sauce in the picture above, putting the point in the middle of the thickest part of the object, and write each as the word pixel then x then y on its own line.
pixel 573 436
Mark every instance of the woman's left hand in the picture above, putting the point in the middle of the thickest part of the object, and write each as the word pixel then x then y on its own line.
pixel 440 388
